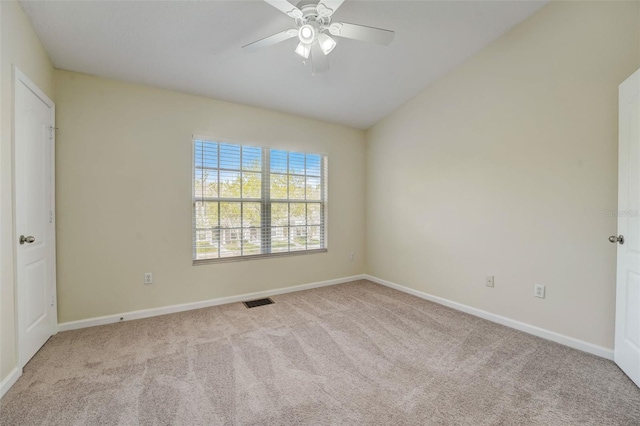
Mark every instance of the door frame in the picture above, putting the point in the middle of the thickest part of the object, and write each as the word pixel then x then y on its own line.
pixel 21 78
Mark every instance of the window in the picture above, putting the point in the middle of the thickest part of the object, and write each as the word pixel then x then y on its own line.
pixel 251 201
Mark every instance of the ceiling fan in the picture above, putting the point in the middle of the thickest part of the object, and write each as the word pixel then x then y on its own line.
pixel 313 20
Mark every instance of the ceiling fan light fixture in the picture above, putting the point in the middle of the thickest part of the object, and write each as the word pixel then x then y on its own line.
pixel 307 34
pixel 327 44
pixel 303 50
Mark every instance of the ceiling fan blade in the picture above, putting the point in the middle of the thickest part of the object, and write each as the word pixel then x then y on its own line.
pixel 285 7
pixel 319 61
pixel 362 32
pixel 271 40
pixel 328 7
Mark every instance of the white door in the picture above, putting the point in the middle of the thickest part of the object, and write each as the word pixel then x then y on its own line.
pixel 627 341
pixel 35 239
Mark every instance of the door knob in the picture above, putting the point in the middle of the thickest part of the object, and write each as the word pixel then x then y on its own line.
pixel 28 239
pixel 618 239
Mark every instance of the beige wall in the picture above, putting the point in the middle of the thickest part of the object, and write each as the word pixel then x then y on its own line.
pixel 506 167
pixel 124 197
pixel 19 47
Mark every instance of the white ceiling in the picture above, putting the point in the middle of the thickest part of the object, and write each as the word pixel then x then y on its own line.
pixel 195 47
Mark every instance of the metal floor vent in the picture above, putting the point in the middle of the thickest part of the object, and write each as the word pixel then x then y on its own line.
pixel 258 302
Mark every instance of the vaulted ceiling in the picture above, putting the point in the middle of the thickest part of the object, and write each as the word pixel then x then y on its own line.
pixel 195 47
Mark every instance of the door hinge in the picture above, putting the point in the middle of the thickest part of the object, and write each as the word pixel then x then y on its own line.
pixel 53 299
pixel 50 216
pixel 51 131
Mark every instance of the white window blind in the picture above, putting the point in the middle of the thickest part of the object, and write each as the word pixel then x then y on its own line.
pixel 252 201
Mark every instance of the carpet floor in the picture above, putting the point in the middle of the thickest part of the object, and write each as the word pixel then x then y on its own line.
pixel 356 353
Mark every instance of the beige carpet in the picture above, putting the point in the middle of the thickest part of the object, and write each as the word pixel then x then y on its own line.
pixel 355 353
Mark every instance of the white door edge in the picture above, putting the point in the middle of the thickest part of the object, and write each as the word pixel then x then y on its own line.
pixel 21 78
pixel 627 314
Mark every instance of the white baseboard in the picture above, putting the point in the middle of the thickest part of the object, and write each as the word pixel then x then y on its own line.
pixel 527 328
pixel 146 313
pixel 10 380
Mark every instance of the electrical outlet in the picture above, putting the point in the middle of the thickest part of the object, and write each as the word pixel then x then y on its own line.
pixel 538 291
pixel 148 278
pixel 352 256
pixel 488 280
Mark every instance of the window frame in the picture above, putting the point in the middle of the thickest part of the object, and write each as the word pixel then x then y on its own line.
pixel 265 201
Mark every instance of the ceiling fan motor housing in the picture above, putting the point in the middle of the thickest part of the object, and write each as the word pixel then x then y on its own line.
pixel 311 16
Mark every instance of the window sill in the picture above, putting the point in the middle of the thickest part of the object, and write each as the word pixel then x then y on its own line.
pixel 199 262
